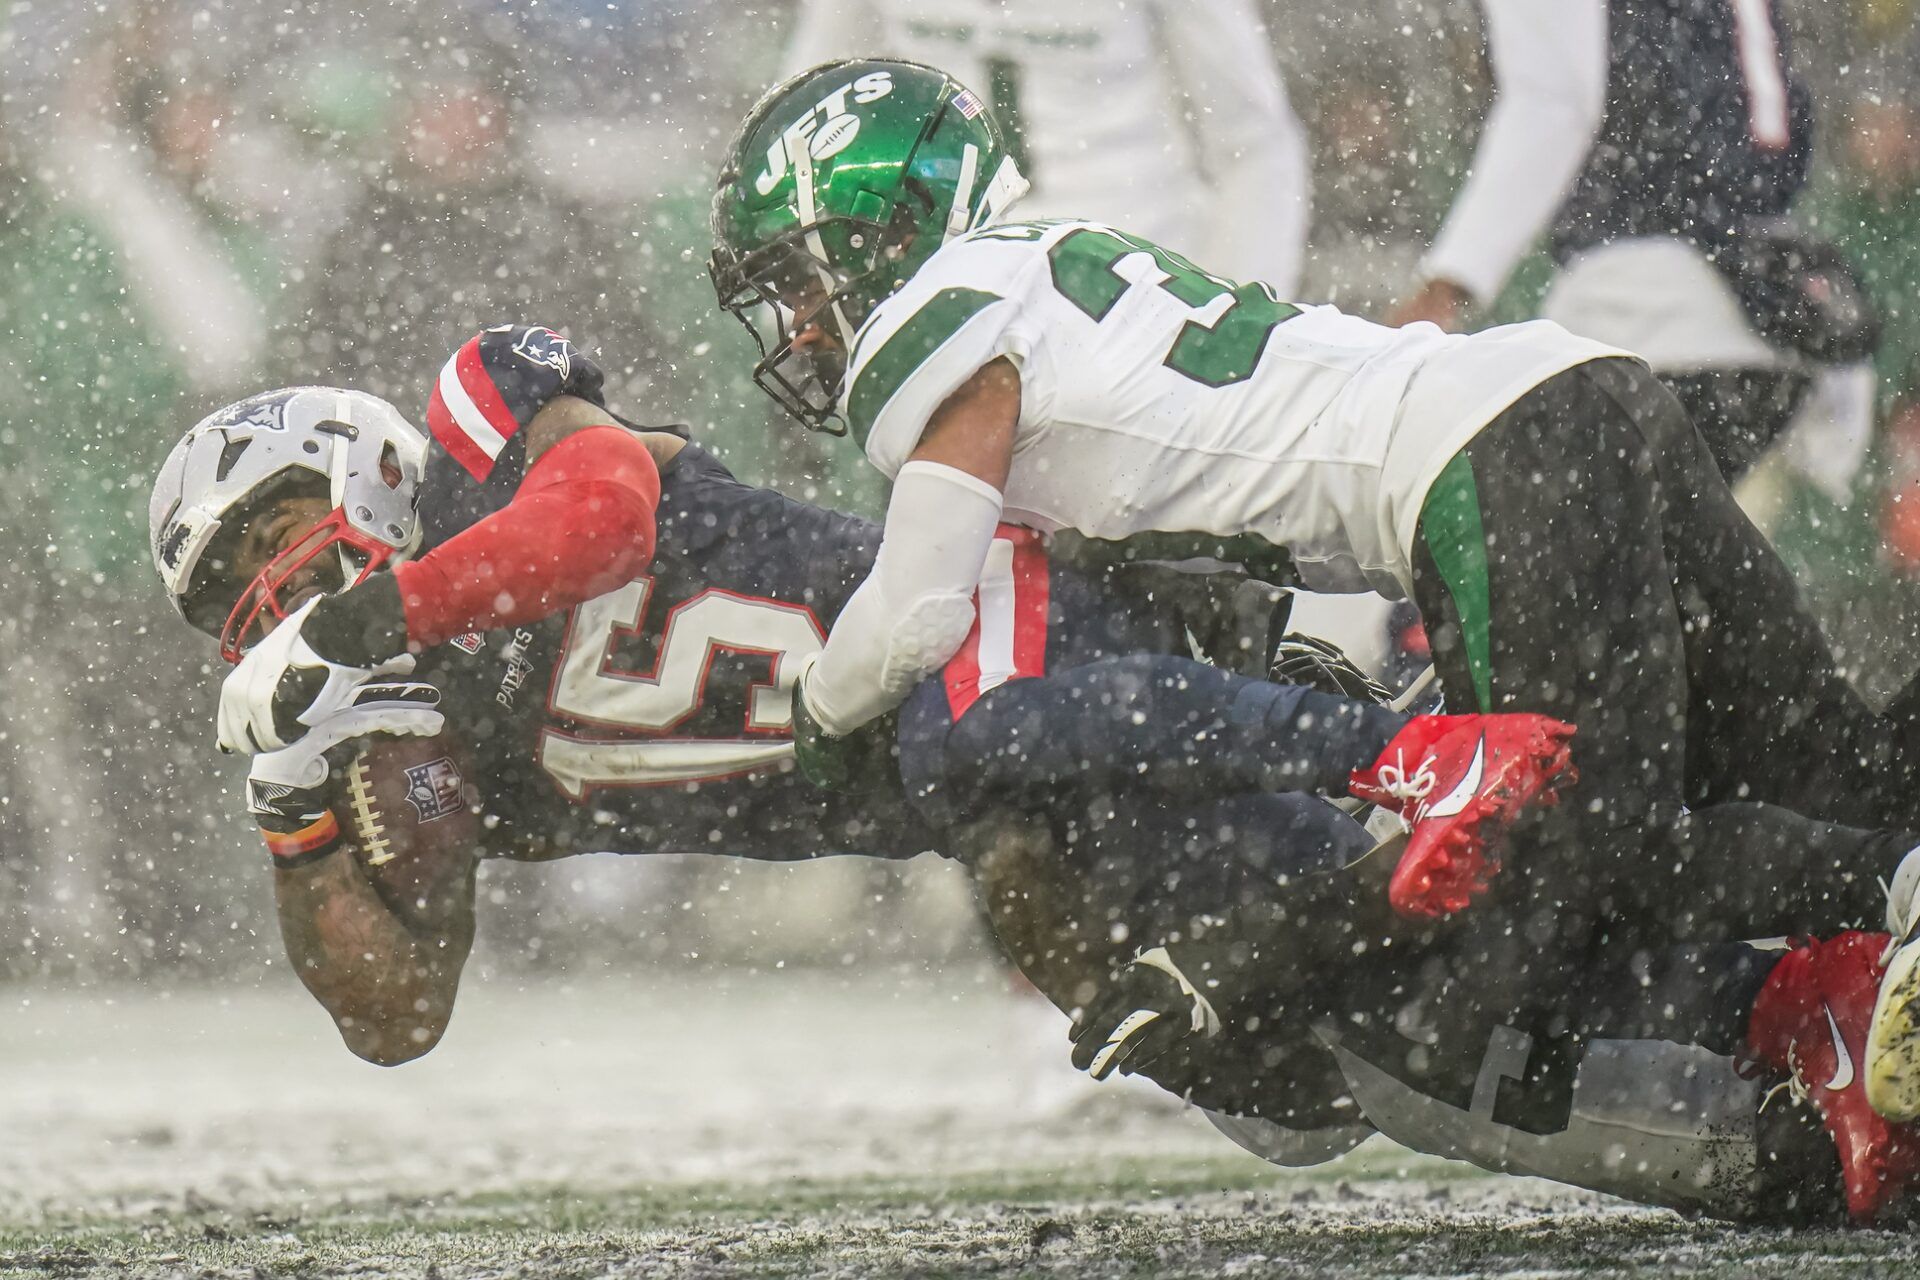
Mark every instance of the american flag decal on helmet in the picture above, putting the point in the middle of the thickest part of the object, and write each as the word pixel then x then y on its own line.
pixel 968 105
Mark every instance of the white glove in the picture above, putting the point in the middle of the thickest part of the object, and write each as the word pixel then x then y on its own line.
pixel 287 789
pixel 283 688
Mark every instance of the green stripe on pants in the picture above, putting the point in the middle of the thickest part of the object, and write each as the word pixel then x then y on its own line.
pixel 1450 522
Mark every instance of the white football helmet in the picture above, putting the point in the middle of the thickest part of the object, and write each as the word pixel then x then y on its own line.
pixel 370 457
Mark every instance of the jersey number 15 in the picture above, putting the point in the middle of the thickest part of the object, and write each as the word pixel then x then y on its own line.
pixel 643 709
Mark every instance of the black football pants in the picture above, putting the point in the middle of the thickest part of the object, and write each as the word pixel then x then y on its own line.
pixel 1583 558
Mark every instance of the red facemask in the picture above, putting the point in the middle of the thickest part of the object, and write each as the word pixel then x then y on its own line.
pixel 263 595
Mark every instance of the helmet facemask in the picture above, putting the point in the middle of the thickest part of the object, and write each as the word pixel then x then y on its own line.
pixel 348 461
pixel 282 583
pixel 840 184
pixel 796 282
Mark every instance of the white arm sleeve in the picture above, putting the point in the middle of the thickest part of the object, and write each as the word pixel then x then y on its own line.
pixel 1252 146
pixel 827 29
pixel 1550 87
pixel 914 610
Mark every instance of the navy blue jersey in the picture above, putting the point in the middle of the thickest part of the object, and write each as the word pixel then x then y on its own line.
pixel 657 718
pixel 1706 126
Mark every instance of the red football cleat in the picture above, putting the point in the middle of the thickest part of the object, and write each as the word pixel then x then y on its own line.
pixel 1458 781
pixel 1810 1022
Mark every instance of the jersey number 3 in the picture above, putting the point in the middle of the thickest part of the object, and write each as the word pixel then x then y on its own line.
pixel 644 708
pixel 1218 354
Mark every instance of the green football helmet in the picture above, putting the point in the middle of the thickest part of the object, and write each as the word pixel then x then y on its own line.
pixel 840 185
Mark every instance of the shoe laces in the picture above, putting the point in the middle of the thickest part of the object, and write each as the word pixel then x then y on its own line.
pixel 1795 1084
pixel 1907 925
pixel 1402 786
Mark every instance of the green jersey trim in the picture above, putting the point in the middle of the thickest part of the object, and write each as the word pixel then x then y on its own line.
pixel 905 350
pixel 1450 522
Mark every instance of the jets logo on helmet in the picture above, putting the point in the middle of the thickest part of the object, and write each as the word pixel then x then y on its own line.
pixel 841 183
pixel 825 130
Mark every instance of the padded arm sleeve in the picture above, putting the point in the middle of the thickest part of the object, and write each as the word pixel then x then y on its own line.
pixel 581 524
pixel 915 608
pixel 1550 78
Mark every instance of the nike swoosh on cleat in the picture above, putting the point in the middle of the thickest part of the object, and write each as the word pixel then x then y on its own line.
pixel 1456 800
pixel 1843 1070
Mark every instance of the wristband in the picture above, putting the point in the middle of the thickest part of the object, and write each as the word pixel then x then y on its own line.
pixel 291 849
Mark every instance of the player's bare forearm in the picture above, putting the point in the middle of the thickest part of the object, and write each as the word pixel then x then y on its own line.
pixel 564 415
pixel 386 971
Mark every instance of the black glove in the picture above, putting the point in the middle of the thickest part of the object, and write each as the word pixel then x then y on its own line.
pixel 1324 666
pixel 1148 1009
pixel 859 763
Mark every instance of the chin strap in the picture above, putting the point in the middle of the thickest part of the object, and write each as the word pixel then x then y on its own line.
pixel 1006 188
pixel 960 215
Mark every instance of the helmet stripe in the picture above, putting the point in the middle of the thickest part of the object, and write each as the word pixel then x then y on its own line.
pixel 809 213
pixel 457 421
pixel 485 393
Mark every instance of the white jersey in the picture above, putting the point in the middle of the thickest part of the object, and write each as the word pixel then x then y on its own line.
pixel 1158 399
pixel 1166 116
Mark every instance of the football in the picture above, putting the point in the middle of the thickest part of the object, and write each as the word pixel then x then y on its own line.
pixel 412 814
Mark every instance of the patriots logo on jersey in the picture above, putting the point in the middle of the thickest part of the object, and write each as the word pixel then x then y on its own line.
pixel 433 789
pixel 548 349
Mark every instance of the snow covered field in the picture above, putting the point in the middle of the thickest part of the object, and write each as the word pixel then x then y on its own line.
pixel 780 1122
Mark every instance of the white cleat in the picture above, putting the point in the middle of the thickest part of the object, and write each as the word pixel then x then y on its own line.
pixel 1892 1062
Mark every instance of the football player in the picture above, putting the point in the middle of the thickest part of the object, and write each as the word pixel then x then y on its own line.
pixel 1542 497
pixel 1662 144
pixel 280 498
pixel 1215 153
pixel 612 694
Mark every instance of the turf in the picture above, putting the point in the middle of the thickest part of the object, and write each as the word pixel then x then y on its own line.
pixel 1174 1222
pixel 785 1125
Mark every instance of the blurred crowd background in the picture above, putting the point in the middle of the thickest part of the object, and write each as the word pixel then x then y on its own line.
pixel 200 198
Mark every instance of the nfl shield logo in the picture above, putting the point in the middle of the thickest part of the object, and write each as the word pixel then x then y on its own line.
pixel 433 789
pixel 470 643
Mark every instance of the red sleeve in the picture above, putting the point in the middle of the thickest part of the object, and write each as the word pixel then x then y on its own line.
pixel 580 524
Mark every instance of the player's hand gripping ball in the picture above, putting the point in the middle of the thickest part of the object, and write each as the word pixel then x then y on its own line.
pixel 295 793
